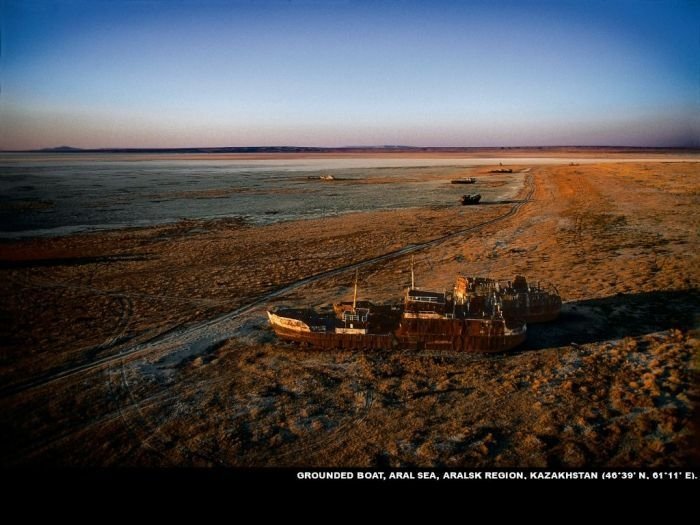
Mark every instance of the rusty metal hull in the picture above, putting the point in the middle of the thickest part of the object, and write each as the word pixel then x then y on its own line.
pixel 533 314
pixel 333 341
pixel 461 335
pixel 541 317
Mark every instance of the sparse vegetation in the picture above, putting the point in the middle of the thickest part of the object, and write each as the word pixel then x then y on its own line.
pixel 613 383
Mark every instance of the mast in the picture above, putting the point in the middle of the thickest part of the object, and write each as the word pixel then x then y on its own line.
pixel 413 280
pixel 354 297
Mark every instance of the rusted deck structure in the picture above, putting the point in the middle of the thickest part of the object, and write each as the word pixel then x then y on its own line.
pixel 534 303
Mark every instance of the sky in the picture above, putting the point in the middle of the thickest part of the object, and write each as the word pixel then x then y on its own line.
pixel 186 73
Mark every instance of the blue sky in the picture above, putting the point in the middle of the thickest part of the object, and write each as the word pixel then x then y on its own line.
pixel 150 73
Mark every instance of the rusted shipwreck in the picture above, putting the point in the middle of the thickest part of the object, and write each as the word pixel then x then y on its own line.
pixel 478 315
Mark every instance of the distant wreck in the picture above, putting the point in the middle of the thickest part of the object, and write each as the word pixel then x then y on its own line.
pixel 464 180
pixel 473 198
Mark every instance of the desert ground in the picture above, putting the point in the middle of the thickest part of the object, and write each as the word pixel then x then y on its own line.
pixel 150 346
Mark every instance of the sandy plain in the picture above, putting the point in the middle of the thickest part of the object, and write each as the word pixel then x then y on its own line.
pixel 149 346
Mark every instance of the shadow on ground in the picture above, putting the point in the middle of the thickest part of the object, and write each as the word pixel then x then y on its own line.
pixel 497 203
pixel 615 317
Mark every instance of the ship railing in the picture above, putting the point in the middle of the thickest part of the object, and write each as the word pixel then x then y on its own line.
pixel 424 299
pixel 425 314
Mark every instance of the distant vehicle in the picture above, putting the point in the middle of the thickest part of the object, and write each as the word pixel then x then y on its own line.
pixel 473 198
pixel 464 180
pixel 502 170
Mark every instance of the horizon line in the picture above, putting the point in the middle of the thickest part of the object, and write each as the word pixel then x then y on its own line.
pixel 322 149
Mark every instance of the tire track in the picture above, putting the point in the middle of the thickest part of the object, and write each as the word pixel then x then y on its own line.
pixel 182 332
pixel 155 440
pixel 127 311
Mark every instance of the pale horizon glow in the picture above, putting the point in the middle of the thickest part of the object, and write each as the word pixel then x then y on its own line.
pixel 131 73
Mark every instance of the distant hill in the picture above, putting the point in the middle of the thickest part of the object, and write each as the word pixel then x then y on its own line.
pixel 60 149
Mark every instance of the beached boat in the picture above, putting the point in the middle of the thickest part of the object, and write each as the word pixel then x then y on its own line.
pixel 427 319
